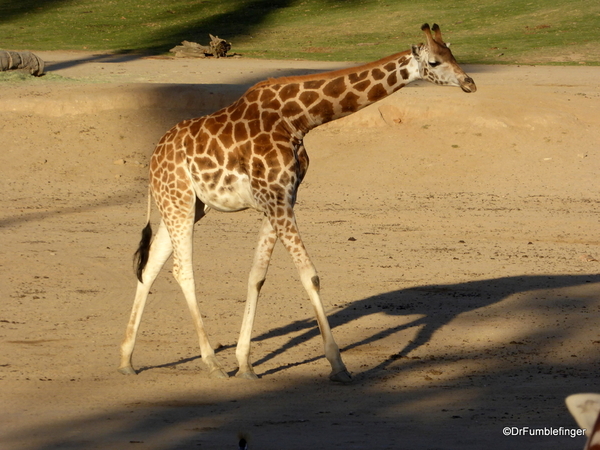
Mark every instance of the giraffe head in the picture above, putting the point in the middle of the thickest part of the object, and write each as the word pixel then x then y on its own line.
pixel 437 64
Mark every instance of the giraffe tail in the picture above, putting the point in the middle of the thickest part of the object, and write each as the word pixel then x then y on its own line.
pixel 142 253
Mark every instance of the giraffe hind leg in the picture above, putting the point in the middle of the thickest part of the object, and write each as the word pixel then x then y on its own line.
pixel 181 232
pixel 156 255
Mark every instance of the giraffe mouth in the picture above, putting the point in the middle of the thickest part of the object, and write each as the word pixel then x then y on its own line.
pixel 468 85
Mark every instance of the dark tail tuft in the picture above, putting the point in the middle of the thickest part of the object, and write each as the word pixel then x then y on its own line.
pixel 141 255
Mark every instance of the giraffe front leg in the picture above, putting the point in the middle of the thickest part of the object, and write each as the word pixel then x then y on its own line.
pixel 310 281
pixel 258 273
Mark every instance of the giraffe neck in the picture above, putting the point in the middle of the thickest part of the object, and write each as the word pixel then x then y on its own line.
pixel 305 102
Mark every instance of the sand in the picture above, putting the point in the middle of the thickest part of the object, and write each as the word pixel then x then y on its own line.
pixel 456 237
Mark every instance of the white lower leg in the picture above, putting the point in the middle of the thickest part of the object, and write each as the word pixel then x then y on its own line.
pixel 262 257
pixel 128 344
pixel 332 352
pixel 186 282
pixel 242 351
pixel 160 250
pixel 290 237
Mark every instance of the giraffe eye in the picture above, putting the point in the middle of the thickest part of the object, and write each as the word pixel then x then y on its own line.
pixel 434 63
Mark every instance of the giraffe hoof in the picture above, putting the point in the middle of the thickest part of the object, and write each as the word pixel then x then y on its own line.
pixel 248 375
pixel 341 377
pixel 218 373
pixel 128 370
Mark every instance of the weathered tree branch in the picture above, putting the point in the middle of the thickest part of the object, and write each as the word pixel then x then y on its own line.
pixel 217 48
pixel 21 60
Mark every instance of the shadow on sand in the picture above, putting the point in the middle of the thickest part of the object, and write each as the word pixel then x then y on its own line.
pixel 351 416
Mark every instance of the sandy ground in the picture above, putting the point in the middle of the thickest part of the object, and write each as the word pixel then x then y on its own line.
pixel 456 236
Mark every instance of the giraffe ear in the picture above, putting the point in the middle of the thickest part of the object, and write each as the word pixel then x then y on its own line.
pixel 416 51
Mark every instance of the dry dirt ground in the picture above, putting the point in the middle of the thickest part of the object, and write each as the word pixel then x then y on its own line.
pixel 456 236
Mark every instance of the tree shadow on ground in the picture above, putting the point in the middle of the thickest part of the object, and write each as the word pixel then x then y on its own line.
pixel 14 9
pixel 242 18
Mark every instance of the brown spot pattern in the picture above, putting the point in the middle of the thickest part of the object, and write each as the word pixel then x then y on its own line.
pixel 362 85
pixel 238 112
pixel 266 96
pixel 291 109
pixel 356 77
pixel 377 74
pixel 269 120
pixel 350 102
pixel 289 91
pixel 252 112
pixel 377 92
pixel 335 88
pixel 240 132
pixel 392 79
pixel 314 84
pixel 309 97
pixel 323 109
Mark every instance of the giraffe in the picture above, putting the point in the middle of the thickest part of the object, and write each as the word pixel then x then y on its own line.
pixel 251 155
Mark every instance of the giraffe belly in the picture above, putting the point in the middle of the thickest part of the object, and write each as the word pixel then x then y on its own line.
pixel 231 196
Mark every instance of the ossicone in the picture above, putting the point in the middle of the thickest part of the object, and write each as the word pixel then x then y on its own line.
pixel 433 39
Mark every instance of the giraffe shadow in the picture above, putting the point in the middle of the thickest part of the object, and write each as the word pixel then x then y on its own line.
pixel 169 365
pixel 189 359
pixel 434 305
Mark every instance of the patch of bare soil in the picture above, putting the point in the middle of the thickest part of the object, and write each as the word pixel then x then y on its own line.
pixel 456 236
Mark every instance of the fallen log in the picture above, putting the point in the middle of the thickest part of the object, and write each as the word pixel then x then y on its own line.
pixel 217 47
pixel 21 61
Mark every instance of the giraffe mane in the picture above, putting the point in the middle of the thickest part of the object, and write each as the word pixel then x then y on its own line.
pixel 327 75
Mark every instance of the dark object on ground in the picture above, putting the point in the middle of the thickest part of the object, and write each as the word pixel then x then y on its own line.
pixel 217 48
pixel 20 61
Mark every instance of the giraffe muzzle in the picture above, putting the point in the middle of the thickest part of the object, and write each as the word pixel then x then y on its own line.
pixel 468 85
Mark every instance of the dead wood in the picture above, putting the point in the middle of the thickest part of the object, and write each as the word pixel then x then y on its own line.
pixel 217 47
pixel 21 61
